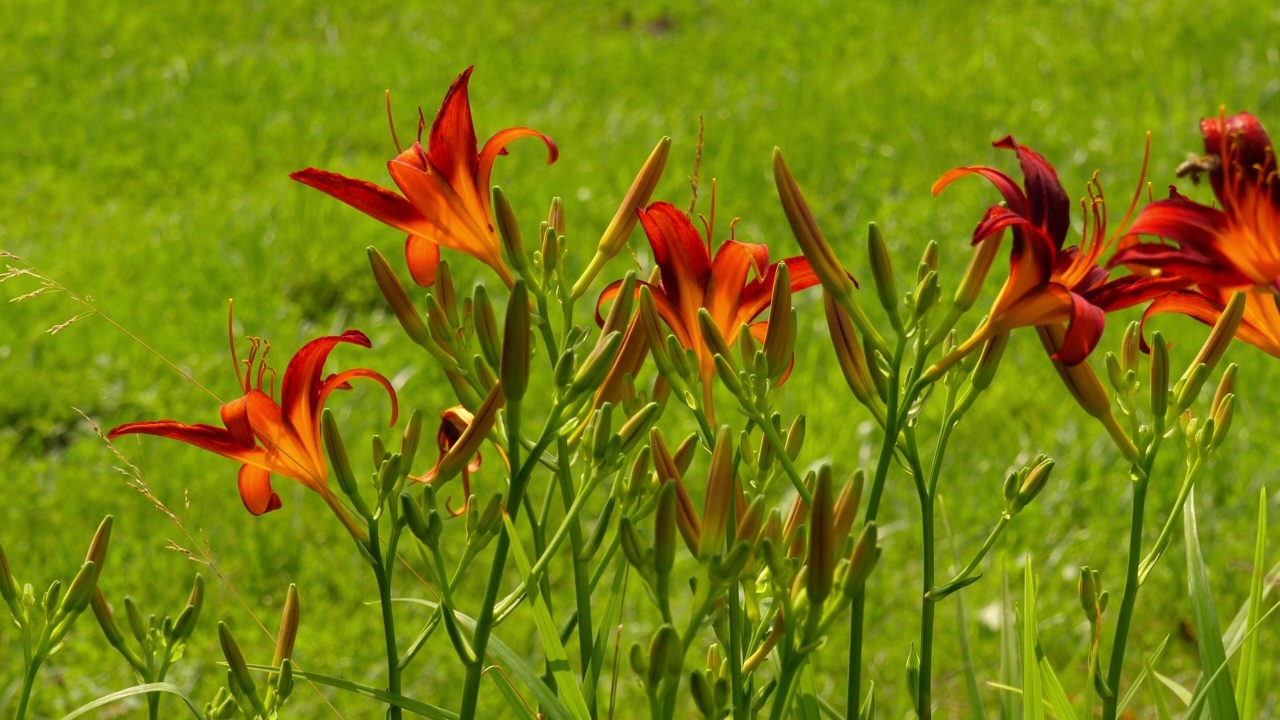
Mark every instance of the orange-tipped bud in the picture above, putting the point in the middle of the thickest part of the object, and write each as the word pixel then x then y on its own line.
pixel 669 473
pixel 846 510
pixel 976 274
pixel 780 337
pixel 1130 347
pixel 468 443
pixel 862 561
pixel 637 197
pixel 853 362
pixel 1079 379
pixel 1223 332
pixel 398 299
pixel 288 627
pixel 812 242
pixel 715 509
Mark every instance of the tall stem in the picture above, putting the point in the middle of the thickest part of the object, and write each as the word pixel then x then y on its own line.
pixel 28 682
pixel 382 570
pixel 1110 704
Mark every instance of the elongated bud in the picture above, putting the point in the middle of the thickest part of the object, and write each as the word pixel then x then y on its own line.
pixel 8 586
pixel 989 361
pixel 976 274
pixel 1224 330
pixel 703 696
pixel 596 364
pixel 637 197
pixel 445 293
pixel 288 627
pixel 341 463
pixel 1222 416
pixel 600 530
pixel 137 625
pixel 1130 346
pixel 438 323
pixel 550 254
pixel 555 216
pixel 620 310
pixel 515 344
pixel 601 425
pixel 728 375
pixel 80 592
pixel 469 442
pixel 666 655
pixel 1187 389
pixel 656 334
pixel 1033 483
pixel 822 543
pixel 636 428
pixel 862 561
pixel 928 259
pixel 1116 374
pixel 488 335
pixel 926 295
pixel 795 437
pixel 491 517
pixel 813 244
pixel 846 510
pixel 664 530
pixel 669 473
pixel 1087 590
pixel 882 273
pixel 711 335
pixel 397 298
pixel 106 620
pixel 388 475
pixel 284 683
pixel 1080 379
pixel 632 545
pixel 1159 376
pixel 1226 386
pixel 715 510
pixel 185 624
pixel 239 669
pixel 509 232
pixel 780 338
pixel 913 677
pixel 853 362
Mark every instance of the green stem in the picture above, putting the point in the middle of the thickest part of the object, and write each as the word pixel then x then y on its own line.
pixel 780 453
pixel 581 570
pixel 1166 532
pixel 924 698
pixel 28 682
pixel 382 571
pixel 1125 617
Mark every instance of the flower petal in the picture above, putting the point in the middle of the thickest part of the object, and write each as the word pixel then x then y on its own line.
pixel 1049 208
pixel 451 146
pixel 255 490
pixel 1083 331
pixel 206 437
pixel 300 390
pixel 723 293
pixel 757 295
pixel 497 145
pixel 422 254
pixel 681 255
pixel 370 199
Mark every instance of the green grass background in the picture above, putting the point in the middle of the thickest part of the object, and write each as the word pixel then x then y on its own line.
pixel 144 161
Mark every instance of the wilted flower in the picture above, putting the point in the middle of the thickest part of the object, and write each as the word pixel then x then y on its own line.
pixel 453 423
pixel 446 189
pixel 270 437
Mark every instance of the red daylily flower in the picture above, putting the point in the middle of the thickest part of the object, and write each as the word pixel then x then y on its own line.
pixel 691 280
pixel 275 437
pixel 446 190
pixel 1236 247
pixel 1259 326
pixel 1049 283
pixel 453 422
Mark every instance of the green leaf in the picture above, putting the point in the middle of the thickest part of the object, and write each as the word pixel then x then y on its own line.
pixel 1056 696
pixel 1213 657
pixel 976 709
pixel 868 709
pixel 605 633
pixel 400 701
pixel 806 702
pixel 1247 690
pixel 1178 689
pixel 514 666
pixel 514 701
pixel 557 660
pixel 1008 645
pixel 1032 697
pixel 160 687
pixel 1162 708
pixel 1142 676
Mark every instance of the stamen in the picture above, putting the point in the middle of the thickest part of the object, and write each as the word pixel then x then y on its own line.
pixel 422 123
pixel 262 363
pixel 391 120
pixel 231 338
pixel 733 227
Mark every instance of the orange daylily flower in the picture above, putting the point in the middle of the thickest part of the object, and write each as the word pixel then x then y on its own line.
pixel 1235 247
pixel 1259 326
pixel 275 437
pixel 446 198
pixel 691 280
pixel 1049 283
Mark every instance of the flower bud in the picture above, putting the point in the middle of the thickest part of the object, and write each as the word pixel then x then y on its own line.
pixel 388 475
pixel 853 362
pixel 487 334
pixel 137 625
pixel 1033 483
pixel 862 561
pixel 632 545
pixel 1226 386
pixel 596 364
pixel 398 299
pixel 80 592
pixel 637 197
pixel 515 343
pixel 8 586
pixel 416 520
pixel 106 620
pixel 468 443
pixel 1130 345
pixel 1187 389
pixel 926 295
pixel 664 530
pixel 1087 590
pixel 620 310
pixel 509 232
pixel 555 216
pixel 989 361
pixel 882 273
pixel 715 509
pixel 284 682
pixel 636 428
pixel 1116 374
pixel 1224 330
pixel 822 543
pixel 1222 415
pixel 984 253
pixel 1159 377
pixel 666 655
pixel 780 337
pixel 815 247
pixel 238 669
pixel 703 696
pixel 846 509
pixel 1080 379
pixel 928 259
pixel 288 627
pixel 748 525
pixel 550 254
pixel 446 295
pixel 795 437
pixel 711 335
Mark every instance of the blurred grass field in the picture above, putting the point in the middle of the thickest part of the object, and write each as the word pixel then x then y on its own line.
pixel 144 162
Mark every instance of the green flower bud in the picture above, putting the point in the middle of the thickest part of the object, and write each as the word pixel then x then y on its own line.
pixel 815 247
pixel 646 180
pixel 555 216
pixel 666 655
pixel 822 544
pixel 633 546
pixel 1222 416
pixel 780 337
pixel 636 428
pixel 398 299
pixel 1226 386
pixel 137 624
pixel 284 683
pixel 288 627
pixel 509 232
pixel 1159 376
pixel 913 677
pixel 488 335
pixel 106 620
pixel 80 592
pixel 795 437
pixel 715 510
pixel 515 344
pixel 1130 346
pixel 238 668
pixel 1033 483
pixel 596 364
pixel 863 560
pixel 703 696
pixel 664 529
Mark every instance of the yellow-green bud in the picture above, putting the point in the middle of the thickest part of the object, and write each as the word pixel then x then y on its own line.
pixel 636 427
pixel 1159 376
pixel 989 361
pixel 664 529
pixel 780 337
pixel 822 544
pixel 597 364
pixel 1222 416
pixel 1224 330
pixel 703 696
pixel 486 324
pixel 1130 346
pixel 666 655
pixel 815 247
pixel 1033 483
pixel 288 627
pixel 137 625
pixel 509 232
pixel 1189 386
pixel 1226 386
pixel 795 437
pixel 615 236
pixel 396 297
pixel 238 669
pixel 862 561
pixel 882 273
pixel 80 592
pixel 555 216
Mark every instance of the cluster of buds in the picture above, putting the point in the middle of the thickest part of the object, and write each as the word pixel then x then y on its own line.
pixel 160 643
pixel 242 693
pixel 1022 486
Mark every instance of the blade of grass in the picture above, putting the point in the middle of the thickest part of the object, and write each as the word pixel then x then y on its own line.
pixel 557 660
pixel 1032 696
pixel 162 687
pixel 1143 675
pixel 1162 708
pixel 1008 644
pixel 1213 657
pixel 1247 687
pixel 605 632
pixel 976 708
pixel 415 706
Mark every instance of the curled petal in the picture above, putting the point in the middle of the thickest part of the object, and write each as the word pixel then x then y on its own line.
pixel 422 254
pixel 1049 208
pixel 497 146
pixel 255 490
pixel 300 389
pixel 1083 331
